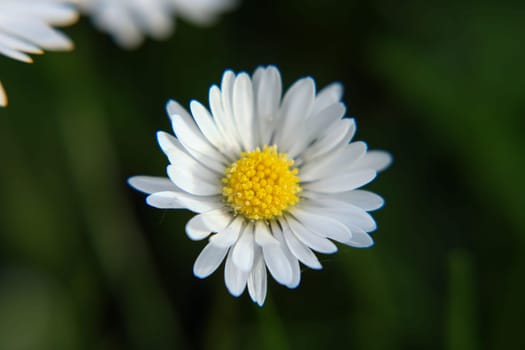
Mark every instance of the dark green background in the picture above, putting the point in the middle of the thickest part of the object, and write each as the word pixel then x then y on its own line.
pixel 86 264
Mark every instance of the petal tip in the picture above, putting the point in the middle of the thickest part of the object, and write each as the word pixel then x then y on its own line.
pixel 3 98
pixel 199 274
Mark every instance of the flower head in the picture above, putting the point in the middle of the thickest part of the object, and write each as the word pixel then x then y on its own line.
pixel 26 27
pixel 271 178
pixel 128 21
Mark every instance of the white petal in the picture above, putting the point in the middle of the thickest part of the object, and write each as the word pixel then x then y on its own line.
pixel 293 263
pixel 360 239
pixel 188 133
pixel 14 54
pixel 295 109
pixel 257 281
pixel 36 32
pixel 327 96
pixel 224 123
pixel 187 180
pixel 206 124
pixel 151 184
pixel 333 163
pixel 169 143
pixel 325 117
pixel 198 204
pixel 335 136
pixel 184 162
pixel 200 226
pixel 325 226
pixel 268 90
pixel 181 200
pixel 164 200
pixel 228 79
pixel 278 264
pixel 312 240
pixel 17 44
pixel 155 19
pixel 301 252
pixel 377 160
pixel 119 22
pixel 273 251
pixel 348 215
pixel 191 137
pixel 243 110
pixel 3 96
pixel 263 237
pixel 363 199
pixel 215 102
pixel 361 219
pixel 229 235
pixel 257 74
pixel 234 278
pixel 341 183
pixel 218 219
pixel 352 153
pixel 52 12
pixel 202 12
pixel 196 229
pixel 174 108
pixel 209 260
pixel 315 126
pixel 243 251
pixel 52 39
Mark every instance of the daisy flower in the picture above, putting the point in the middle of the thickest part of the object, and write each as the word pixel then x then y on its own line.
pixel 128 21
pixel 272 179
pixel 26 27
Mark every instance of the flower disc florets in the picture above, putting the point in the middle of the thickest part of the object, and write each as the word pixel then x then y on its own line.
pixel 261 184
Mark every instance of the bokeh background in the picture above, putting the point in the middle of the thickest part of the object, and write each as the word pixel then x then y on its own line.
pixel 86 264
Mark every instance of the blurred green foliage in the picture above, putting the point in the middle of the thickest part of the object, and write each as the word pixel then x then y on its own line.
pixel 85 264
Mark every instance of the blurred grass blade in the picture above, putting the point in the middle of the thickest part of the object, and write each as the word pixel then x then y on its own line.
pixel 272 330
pixel 462 328
pixel 148 316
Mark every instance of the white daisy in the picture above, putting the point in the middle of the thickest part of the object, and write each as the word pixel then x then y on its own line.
pixel 272 178
pixel 26 27
pixel 128 21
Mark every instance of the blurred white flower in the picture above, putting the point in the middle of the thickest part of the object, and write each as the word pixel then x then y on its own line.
pixel 26 27
pixel 272 178
pixel 128 21
pixel 3 96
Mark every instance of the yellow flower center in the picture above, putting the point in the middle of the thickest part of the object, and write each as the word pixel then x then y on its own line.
pixel 261 184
